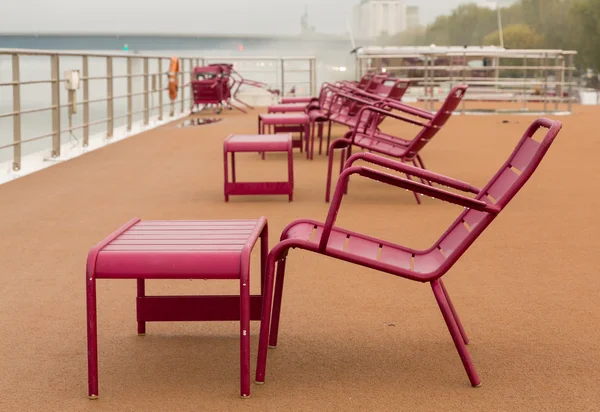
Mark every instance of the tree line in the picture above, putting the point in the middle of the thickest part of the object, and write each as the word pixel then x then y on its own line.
pixel 527 24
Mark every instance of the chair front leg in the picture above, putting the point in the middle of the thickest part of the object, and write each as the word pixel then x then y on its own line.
pixel 451 323
pixel 277 303
pixel 263 340
pixel 456 318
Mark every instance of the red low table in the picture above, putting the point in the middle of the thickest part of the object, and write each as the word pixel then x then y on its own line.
pixel 287 108
pixel 149 249
pixel 261 143
pixel 287 123
pixel 287 100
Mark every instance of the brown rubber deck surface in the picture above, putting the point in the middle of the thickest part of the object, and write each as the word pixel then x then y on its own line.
pixel 351 339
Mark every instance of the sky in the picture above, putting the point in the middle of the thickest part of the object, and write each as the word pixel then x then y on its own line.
pixel 189 16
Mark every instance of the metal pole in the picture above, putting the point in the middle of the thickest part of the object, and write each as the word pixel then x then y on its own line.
pixel 525 82
pixel 191 66
pixel 160 90
pixel 109 98
pixel 146 100
pixel 545 82
pixel 16 75
pixel 311 81
pixel 182 82
pixel 570 68
pixel 129 93
pixel 55 67
pixel 86 104
pixel 557 87
pixel 282 62
pixel 562 78
pixel 464 62
pixel 425 81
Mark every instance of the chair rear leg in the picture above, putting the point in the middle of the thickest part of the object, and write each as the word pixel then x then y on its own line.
pixel 329 134
pixel 440 297
pixel 424 181
pixel 418 161
pixel 345 156
pixel 456 318
pixel 417 195
pixel 339 143
pixel 277 304
pixel 321 124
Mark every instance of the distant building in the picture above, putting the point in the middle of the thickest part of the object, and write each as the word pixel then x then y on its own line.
pixel 374 18
pixel 305 27
pixel 412 17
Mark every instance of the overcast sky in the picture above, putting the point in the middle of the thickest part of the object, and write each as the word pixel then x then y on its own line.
pixel 196 16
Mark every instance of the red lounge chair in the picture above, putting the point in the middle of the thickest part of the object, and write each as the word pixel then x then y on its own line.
pixel 427 266
pixel 342 107
pixel 366 134
pixel 362 85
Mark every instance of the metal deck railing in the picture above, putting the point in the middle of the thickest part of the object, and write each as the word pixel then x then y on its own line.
pixel 117 90
pixel 523 77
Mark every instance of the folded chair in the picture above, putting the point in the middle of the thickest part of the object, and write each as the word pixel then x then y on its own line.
pixel 426 266
pixel 366 133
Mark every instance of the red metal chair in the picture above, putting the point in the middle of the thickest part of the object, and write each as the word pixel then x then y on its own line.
pixel 366 133
pixel 362 85
pixel 209 87
pixel 219 84
pixel 339 106
pixel 428 265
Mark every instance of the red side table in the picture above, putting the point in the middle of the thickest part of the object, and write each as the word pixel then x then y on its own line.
pixel 180 250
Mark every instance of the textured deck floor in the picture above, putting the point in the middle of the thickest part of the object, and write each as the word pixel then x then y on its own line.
pixel 351 339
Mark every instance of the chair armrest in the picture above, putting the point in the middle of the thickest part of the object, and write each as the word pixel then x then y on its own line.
pixel 412 171
pixel 396 181
pixel 341 94
pixel 374 108
pixel 403 107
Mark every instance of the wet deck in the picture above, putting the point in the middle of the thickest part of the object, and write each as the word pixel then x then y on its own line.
pixel 351 338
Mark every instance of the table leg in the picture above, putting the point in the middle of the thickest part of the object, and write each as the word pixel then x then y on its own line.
pixel 233 167
pixel 310 139
pixel 245 331
pixel 264 251
pixel 92 336
pixel 320 136
pixel 226 171
pixel 141 292
pixel 291 170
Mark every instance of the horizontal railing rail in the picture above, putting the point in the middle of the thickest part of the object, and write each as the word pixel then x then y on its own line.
pixel 116 90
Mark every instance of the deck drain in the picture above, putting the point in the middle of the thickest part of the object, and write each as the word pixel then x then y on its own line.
pixel 201 121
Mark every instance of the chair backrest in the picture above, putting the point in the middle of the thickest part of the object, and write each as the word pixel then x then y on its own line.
pixel 400 89
pixel 375 82
pixel 207 91
pixel 438 121
pixel 364 81
pixel 500 190
pixel 389 88
pixel 386 88
pixel 207 72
